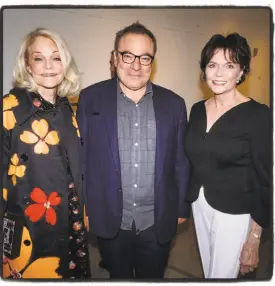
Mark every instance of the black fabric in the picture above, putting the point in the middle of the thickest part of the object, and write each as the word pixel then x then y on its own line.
pixel 47 218
pixel 12 232
pixel 233 161
pixel 77 258
pixel 130 255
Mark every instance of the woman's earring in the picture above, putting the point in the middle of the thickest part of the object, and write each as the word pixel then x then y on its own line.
pixel 28 70
pixel 238 80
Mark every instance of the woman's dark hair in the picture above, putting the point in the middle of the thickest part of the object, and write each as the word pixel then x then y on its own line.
pixel 135 28
pixel 239 52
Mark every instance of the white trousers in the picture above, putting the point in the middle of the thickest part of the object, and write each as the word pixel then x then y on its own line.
pixel 220 238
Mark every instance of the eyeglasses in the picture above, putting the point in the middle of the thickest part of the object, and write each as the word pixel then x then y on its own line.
pixel 129 58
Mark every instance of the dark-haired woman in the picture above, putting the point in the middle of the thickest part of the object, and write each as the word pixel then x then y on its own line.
pixel 228 142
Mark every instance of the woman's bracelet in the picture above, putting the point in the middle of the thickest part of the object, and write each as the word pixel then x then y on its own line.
pixel 256 235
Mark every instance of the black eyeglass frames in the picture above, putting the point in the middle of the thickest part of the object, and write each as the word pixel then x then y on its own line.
pixel 129 58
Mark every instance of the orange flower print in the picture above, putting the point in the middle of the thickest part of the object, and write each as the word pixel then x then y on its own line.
pixel 76 126
pixel 40 136
pixel 15 274
pixel 5 194
pixel 9 120
pixel 20 267
pixel 15 170
pixel 42 205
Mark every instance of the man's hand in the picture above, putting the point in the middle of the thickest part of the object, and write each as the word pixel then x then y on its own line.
pixel 181 220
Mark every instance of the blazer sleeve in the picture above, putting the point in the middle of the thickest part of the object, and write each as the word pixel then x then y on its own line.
pixel 261 150
pixel 81 117
pixel 182 169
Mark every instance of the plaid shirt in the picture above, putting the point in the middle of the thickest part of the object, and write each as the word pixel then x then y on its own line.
pixel 137 148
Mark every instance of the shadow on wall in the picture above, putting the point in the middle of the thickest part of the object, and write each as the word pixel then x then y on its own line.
pixel 112 65
pixel 74 99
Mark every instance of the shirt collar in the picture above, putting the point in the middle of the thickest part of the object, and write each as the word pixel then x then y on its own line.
pixel 149 88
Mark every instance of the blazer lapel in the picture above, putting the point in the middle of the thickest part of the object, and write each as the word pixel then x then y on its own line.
pixel 161 133
pixel 109 100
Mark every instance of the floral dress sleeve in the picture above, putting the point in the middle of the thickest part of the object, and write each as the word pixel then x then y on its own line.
pixel 9 103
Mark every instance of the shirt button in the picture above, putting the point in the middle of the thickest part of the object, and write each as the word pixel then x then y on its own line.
pixel 136 105
pixel 136 144
pixel 136 165
pixel 136 124
pixel 134 204
pixel 135 185
pixel 119 190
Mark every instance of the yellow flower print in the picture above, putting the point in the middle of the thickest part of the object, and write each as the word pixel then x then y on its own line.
pixel 41 268
pixel 5 194
pixel 9 102
pixel 9 120
pixel 86 219
pixel 40 136
pixel 15 170
pixel 76 126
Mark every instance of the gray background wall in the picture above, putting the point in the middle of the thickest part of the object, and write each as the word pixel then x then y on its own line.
pixel 181 35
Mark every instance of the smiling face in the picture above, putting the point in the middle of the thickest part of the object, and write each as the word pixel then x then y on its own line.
pixel 134 76
pixel 44 64
pixel 221 73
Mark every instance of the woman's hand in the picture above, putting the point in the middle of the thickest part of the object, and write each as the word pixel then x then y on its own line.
pixel 249 257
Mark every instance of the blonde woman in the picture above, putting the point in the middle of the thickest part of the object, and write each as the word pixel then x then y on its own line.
pixel 43 230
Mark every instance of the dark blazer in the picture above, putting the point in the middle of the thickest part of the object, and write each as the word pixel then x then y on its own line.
pixel 97 119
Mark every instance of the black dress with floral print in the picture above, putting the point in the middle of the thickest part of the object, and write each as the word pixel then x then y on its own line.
pixel 43 231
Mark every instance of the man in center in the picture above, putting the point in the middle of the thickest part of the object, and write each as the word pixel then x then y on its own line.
pixel 135 169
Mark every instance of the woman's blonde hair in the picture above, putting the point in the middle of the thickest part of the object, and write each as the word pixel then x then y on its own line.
pixel 22 79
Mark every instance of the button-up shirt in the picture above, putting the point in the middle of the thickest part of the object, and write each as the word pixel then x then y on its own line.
pixel 137 148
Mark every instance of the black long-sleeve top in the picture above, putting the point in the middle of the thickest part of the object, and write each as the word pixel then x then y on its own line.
pixel 233 161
